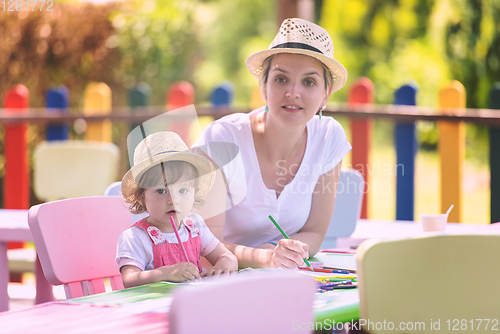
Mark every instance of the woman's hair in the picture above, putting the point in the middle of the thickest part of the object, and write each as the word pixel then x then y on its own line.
pixel 266 67
pixel 154 178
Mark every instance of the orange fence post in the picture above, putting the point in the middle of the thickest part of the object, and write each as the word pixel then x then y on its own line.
pixel 97 101
pixel 362 92
pixel 452 150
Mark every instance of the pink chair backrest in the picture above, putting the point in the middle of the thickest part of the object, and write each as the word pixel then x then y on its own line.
pixel 76 242
pixel 257 302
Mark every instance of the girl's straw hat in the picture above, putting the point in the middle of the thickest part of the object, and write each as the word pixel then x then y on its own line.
pixel 301 37
pixel 162 147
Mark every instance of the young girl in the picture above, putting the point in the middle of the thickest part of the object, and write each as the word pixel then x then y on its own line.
pixel 166 181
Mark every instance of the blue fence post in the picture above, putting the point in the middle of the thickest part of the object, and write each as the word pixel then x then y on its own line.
pixel 495 157
pixel 406 149
pixel 222 95
pixel 57 98
pixel 138 97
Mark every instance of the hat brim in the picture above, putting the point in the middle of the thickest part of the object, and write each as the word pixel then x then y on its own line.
pixel 206 173
pixel 339 73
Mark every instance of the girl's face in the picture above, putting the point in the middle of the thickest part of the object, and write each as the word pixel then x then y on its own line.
pixel 295 88
pixel 175 200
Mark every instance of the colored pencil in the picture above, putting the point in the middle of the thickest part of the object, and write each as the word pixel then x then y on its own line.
pixel 349 270
pixel 319 278
pixel 287 237
pixel 324 285
pixel 319 270
pixel 179 238
pixel 347 286
pixel 338 251
pixel 336 279
pixel 322 270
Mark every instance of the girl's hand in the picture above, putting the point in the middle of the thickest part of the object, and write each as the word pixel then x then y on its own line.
pixel 180 272
pixel 213 272
pixel 224 262
pixel 289 254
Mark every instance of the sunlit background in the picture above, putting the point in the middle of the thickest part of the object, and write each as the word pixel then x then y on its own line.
pixel 206 42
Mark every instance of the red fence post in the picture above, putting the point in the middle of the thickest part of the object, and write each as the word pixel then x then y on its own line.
pixel 361 92
pixel 180 94
pixel 16 180
pixel 16 187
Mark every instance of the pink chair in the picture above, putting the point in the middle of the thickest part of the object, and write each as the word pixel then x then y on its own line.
pixel 76 242
pixel 263 301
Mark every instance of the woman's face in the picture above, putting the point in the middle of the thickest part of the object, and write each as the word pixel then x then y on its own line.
pixel 295 88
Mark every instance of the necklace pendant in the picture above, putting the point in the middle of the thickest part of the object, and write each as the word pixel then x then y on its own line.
pixel 280 172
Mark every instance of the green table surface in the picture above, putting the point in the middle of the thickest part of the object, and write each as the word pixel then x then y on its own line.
pixel 329 307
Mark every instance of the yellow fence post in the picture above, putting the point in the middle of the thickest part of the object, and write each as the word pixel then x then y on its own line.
pixel 452 150
pixel 256 100
pixel 97 101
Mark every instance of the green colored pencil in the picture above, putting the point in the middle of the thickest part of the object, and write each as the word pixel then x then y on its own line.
pixel 287 237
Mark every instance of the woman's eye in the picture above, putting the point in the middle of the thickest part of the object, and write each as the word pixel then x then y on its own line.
pixel 183 190
pixel 280 79
pixel 309 82
pixel 161 191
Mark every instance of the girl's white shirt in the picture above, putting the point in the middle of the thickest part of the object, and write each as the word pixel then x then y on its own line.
pixel 135 246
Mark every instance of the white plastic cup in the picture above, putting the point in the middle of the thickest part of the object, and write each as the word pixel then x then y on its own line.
pixel 434 222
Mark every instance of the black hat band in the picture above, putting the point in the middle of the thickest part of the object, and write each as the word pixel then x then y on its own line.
pixel 293 45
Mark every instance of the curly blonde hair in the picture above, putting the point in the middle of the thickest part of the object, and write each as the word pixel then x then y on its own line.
pixel 153 177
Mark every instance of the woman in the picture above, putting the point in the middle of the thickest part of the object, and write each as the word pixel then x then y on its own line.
pixel 290 158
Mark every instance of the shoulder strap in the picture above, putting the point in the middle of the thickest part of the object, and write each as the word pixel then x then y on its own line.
pixel 153 232
pixel 142 224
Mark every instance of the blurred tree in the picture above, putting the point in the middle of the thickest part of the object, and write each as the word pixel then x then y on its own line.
pixel 473 47
pixel 66 46
pixel 157 41
pixel 120 43
pixel 391 42
pixel 427 41
pixel 230 30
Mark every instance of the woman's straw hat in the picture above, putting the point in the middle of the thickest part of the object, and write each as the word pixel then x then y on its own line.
pixel 301 37
pixel 162 147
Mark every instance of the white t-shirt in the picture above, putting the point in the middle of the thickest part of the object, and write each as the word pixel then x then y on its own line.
pixel 136 248
pixel 247 222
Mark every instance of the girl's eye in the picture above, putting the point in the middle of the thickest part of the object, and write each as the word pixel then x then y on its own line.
pixel 183 190
pixel 161 191
pixel 280 79
pixel 309 82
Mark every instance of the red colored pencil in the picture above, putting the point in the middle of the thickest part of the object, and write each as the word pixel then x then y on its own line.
pixel 179 238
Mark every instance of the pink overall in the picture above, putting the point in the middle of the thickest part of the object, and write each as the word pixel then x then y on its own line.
pixel 165 253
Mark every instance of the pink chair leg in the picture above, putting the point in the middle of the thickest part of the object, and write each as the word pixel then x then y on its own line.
pixel 44 291
pixel 4 277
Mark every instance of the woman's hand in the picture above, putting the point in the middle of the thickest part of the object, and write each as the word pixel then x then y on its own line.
pixel 289 254
pixel 180 272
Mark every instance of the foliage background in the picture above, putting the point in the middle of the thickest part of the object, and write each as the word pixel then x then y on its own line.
pixel 206 42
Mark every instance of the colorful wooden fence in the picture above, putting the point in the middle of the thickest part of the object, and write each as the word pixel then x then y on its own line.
pixel 98 113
